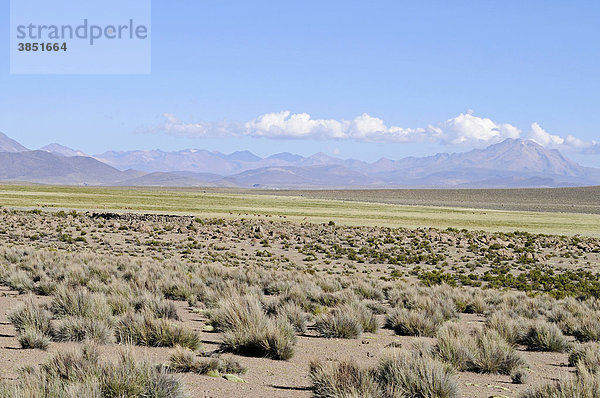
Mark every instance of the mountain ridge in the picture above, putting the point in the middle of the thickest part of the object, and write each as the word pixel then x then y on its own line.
pixel 510 163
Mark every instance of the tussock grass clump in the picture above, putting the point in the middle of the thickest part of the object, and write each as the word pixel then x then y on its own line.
pixel 273 338
pixel 586 355
pixel 160 308
pixel 493 354
pixel 369 291
pixel 406 374
pixel 588 329
pixel 476 305
pixel 399 374
pixel 365 316
pixel 345 379
pixel 33 324
pixel 142 329
pixel 295 315
pixel 347 321
pixel 512 328
pixel 545 336
pixel 484 352
pixel 454 346
pixel 236 310
pixel 565 318
pixel 82 374
pixel 585 384
pixel 407 322
pixel 337 324
pixel 80 303
pixel 184 360
pixel 80 329
pixel 31 316
pixel 248 330
pixel 19 280
pixel 32 338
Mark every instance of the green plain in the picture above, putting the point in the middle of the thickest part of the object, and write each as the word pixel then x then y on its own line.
pixel 294 208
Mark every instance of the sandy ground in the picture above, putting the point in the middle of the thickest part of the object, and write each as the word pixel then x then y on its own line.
pixel 270 378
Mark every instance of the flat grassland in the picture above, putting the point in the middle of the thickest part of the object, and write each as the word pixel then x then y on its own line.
pixel 395 208
pixel 294 309
pixel 182 293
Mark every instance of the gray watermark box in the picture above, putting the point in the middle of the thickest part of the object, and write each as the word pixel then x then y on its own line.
pixel 80 36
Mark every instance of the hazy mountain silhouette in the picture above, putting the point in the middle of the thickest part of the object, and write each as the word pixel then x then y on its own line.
pixel 62 150
pixel 511 163
pixel 7 144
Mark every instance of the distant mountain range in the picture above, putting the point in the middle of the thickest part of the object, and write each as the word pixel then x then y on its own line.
pixel 511 163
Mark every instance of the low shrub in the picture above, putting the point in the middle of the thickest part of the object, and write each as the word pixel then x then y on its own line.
pixel 142 329
pixel 413 323
pixel 493 354
pixel 80 329
pixel 33 324
pixel 545 336
pixel 33 338
pixel 30 316
pixel 586 355
pixel 80 303
pixel 295 315
pixel 248 330
pixel 405 374
pixel 184 360
pixel 338 324
pixel 345 379
pixel 273 338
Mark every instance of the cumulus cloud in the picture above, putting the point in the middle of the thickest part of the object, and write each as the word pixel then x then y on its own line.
pixel 569 143
pixel 465 129
pixel 295 126
pixel 362 128
pixel 539 135
pixel 469 129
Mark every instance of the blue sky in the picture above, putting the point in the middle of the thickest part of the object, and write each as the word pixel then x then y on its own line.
pixel 359 79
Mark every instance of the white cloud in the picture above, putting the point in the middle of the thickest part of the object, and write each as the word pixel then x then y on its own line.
pixel 465 129
pixel 568 143
pixel 176 127
pixel 539 135
pixel 472 130
pixel 300 125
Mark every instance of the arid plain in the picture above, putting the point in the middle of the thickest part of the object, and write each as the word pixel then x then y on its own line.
pixel 234 294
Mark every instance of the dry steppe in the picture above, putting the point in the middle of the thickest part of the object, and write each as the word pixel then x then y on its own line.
pixel 259 306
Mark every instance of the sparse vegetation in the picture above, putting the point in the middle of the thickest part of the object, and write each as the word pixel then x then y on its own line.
pixel 471 301
pixel 83 373
pixel 399 374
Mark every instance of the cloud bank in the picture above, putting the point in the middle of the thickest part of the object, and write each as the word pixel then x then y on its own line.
pixel 465 129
